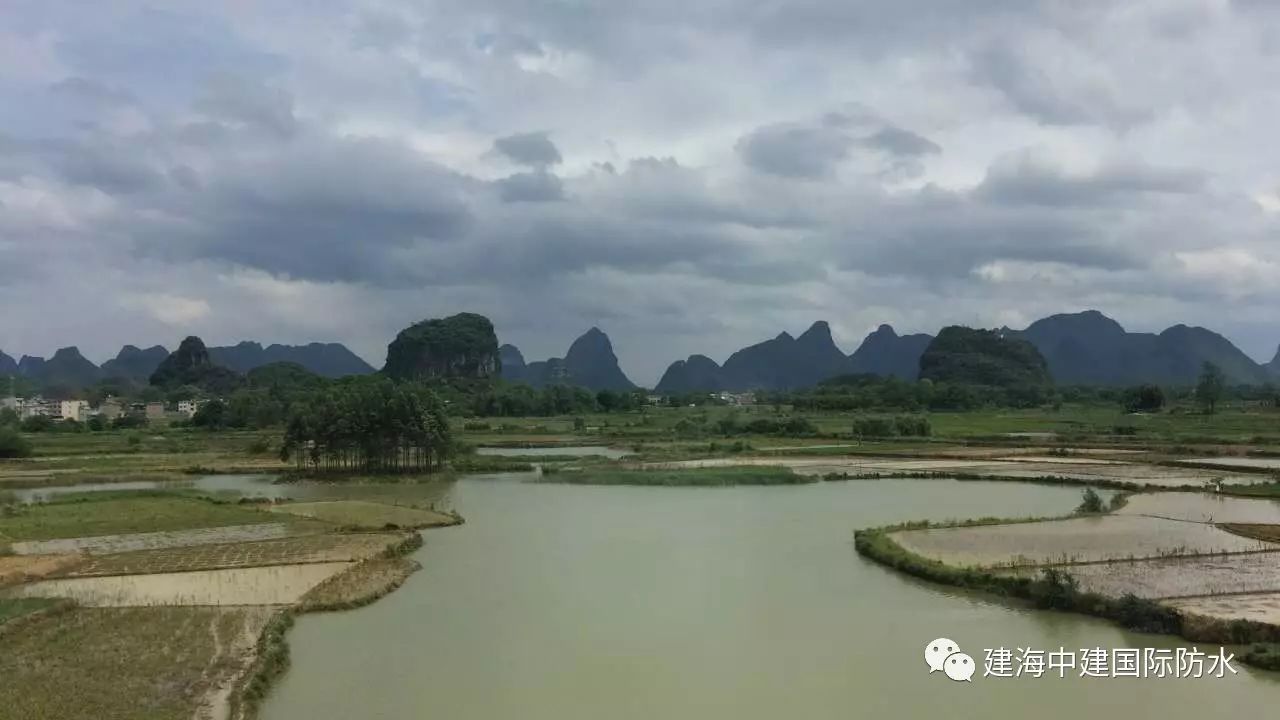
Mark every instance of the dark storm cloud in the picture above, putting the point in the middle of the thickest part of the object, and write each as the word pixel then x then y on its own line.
pixel 531 187
pixel 795 151
pixel 1022 179
pixel 901 142
pixel 102 163
pixel 767 163
pixel 83 89
pixel 250 102
pixel 533 148
pixel 321 207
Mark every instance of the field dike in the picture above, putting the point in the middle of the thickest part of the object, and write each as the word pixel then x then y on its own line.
pixel 1055 589
pixel 362 584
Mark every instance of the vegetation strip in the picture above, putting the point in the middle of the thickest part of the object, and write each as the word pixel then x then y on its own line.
pixel 688 477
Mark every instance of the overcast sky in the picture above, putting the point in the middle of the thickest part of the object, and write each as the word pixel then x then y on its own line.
pixel 688 176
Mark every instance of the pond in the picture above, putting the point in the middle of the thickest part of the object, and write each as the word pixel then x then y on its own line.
pixel 558 601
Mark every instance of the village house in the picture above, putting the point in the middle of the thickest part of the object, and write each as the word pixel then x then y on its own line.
pixel 111 408
pixel 77 410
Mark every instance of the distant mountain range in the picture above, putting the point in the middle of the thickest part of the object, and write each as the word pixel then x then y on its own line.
pixel 68 369
pixel 134 364
pixel 590 363
pixel 1090 348
pixel 1086 348
pixel 325 359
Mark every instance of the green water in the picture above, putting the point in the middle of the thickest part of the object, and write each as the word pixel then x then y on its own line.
pixel 624 602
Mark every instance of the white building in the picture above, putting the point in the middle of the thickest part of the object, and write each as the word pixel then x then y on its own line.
pixel 189 407
pixel 77 410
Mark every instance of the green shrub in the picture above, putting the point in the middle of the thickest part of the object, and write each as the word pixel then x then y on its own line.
pixel 37 423
pixel 874 427
pixel 13 445
pixel 1090 503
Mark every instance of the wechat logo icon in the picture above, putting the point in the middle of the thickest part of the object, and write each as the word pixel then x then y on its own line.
pixel 943 654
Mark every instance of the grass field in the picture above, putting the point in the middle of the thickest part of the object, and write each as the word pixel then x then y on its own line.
pixel 11 608
pixel 116 515
pixel 121 664
pixel 689 477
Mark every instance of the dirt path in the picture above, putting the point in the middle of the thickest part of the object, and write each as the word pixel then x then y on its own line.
pixel 232 658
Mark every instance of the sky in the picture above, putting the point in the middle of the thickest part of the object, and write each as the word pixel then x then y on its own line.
pixel 691 177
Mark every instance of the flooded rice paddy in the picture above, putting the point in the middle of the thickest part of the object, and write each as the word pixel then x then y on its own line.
pixel 569 450
pixel 275 585
pixel 1016 467
pixel 103 544
pixel 1261 607
pixel 1263 463
pixel 1085 539
pixel 1203 507
pixel 742 603
pixel 1182 577
pixel 308 549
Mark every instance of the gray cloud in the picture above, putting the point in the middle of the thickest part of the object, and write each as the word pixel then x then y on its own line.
pixel 533 148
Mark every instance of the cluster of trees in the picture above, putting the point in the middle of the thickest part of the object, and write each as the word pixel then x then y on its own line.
pixel 876 392
pixel 887 427
pixel 376 426
pixel 699 425
pixel 501 399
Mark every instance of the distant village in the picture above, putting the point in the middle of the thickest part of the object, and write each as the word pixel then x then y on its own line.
pixel 110 409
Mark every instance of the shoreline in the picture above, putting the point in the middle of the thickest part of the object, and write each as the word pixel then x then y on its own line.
pixel 1054 593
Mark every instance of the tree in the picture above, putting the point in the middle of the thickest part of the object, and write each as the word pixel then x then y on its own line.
pixel 1210 388
pixel 1090 503
pixel 1143 398
pixel 373 426
pixel 211 415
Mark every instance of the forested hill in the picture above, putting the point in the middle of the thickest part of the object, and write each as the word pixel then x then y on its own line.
pixel 964 356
